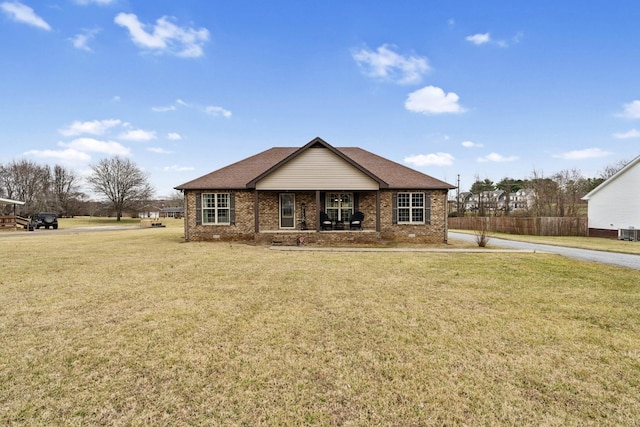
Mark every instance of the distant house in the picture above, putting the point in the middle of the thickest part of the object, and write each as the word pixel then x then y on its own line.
pixel 171 212
pixel 521 199
pixel 314 193
pixel 614 205
pixel 486 201
pixel 148 211
pixel 493 201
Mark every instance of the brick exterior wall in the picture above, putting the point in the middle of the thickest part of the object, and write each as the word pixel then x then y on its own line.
pixel 418 233
pixel 269 232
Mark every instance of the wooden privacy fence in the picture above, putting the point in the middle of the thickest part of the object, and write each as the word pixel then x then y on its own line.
pixel 540 226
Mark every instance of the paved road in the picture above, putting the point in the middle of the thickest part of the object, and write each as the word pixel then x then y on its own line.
pixel 623 260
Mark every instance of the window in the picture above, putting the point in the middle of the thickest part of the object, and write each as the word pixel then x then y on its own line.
pixel 339 206
pixel 413 208
pixel 216 208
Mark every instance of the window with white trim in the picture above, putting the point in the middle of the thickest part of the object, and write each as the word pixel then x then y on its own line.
pixel 339 206
pixel 216 208
pixel 411 208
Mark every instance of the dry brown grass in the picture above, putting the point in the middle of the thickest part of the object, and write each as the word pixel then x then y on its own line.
pixel 137 328
pixel 95 221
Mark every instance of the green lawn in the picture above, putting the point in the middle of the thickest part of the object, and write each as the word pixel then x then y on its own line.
pixel 136 327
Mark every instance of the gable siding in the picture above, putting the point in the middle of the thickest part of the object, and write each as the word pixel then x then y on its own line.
pixel 617 205
pixel 317 169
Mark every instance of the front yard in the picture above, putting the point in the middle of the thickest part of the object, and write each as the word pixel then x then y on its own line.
pixel 136 327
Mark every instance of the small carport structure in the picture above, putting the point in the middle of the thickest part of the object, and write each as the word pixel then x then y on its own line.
pixel 12 221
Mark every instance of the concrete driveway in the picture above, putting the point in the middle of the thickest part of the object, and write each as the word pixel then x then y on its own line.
pixel 611 258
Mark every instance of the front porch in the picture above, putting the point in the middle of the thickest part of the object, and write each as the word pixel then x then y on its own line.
pixel 317 211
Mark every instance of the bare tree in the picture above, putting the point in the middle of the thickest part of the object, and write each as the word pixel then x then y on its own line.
pixel 571 187
pixel 121 181
pixel 176 198
pixel 545 194
pixel 28 182
pixel 65 191
pixel 481 231
pixel 612 169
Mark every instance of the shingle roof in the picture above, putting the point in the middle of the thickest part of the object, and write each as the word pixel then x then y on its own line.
pixel 394 174
pixel 240 174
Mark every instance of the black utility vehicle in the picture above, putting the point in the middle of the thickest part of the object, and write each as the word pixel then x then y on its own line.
pixel 46 220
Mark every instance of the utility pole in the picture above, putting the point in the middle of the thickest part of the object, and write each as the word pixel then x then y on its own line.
pixel 458 197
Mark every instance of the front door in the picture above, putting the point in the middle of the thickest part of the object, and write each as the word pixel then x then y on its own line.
pixel 287 210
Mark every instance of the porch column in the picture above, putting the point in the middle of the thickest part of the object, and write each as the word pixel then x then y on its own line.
pixel 187 214
pixel 256 213
pixel 317 210
pixel 378 211
pixel 446 219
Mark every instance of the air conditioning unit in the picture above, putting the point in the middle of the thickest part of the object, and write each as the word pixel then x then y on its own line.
pixel 630 234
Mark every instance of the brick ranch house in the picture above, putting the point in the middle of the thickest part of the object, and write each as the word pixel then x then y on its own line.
pixel 311 194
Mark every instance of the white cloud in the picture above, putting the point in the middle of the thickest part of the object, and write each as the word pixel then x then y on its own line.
pixel 22 13
pixel 517 38
pixel 100 2
pixel 433 100
pixel 433 159
pixel 164 36
pixel 632 110
pixel 81 41
pixel 212 110
pixel 176 168
pixel 159 150
pixel 587 153
pixel 633 133
pixel 163 109
pixel 217 111
pixel 92 145
pixel 174 136
pixel 497 158
pixel 138 135
pixel 68 155
pixel 386 64
pixel 471 144
pixel 479 39
pixel 95 127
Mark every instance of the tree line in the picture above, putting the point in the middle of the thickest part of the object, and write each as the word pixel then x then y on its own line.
pixel 557 195
pixel 120 183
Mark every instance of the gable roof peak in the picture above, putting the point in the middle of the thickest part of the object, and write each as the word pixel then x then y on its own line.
pixel 612 178
pixel 317 142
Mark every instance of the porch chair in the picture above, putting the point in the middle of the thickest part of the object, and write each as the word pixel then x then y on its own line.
pixel 325 221
pixel 356 221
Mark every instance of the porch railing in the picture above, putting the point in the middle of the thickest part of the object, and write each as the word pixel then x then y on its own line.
pixel 12 222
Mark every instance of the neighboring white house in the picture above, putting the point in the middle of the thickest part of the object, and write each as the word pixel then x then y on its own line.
pixel 614 204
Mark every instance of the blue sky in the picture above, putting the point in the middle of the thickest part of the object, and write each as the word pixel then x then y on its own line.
pixel 484 89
